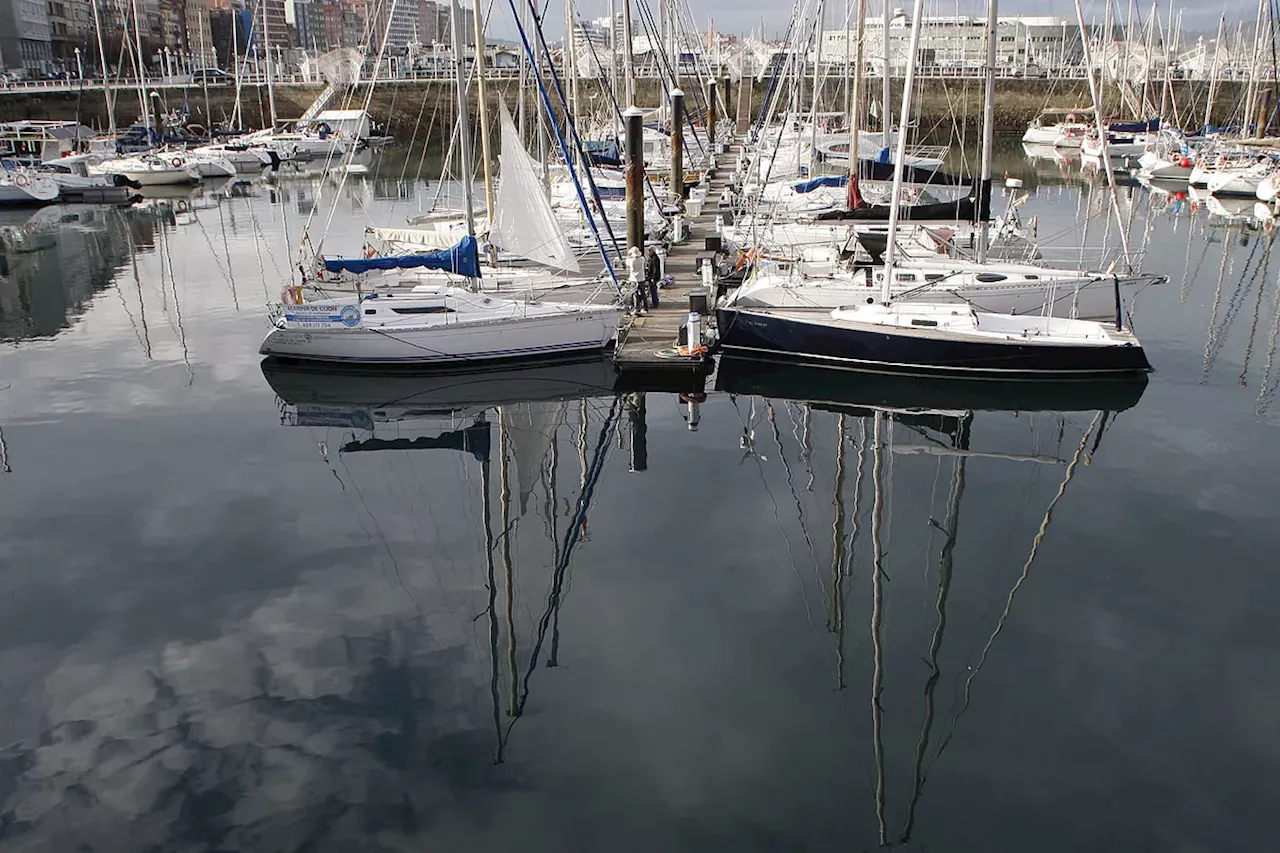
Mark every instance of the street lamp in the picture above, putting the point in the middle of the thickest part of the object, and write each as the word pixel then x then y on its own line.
pixel 79 65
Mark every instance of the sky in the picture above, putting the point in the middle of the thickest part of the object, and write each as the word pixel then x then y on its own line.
pixel 743 16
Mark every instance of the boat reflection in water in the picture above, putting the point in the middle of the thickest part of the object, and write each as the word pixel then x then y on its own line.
pixel 514 417
pixel 882 419
pixel 906 392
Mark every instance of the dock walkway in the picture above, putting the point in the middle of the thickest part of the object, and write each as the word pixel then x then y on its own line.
pixel 648 343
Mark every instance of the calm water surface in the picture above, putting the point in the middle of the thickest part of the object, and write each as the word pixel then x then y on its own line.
pixel 295 612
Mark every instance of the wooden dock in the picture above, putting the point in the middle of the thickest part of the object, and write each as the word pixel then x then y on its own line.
pixel 648 343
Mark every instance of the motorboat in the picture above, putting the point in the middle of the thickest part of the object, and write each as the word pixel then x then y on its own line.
pixel 1240 180
pixel 75 182
pixel 151 170
pixel 20 186
pixel 211 165
pixel 1065 133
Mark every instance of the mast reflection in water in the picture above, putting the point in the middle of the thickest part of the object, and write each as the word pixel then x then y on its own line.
pixel 937 417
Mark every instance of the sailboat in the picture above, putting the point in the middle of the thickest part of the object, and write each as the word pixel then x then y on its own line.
pixel 434 325
pixel 931 333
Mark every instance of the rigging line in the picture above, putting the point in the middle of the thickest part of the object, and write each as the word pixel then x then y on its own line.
pixel 382 537
pixel 142 305
pixel 1193 275
pixel 125 305
pixel 1213 317
pixel 804 527
pixel 1022 578
pixel 1265 387
pixel 564 145
pixel 1257 308
pixel 572 535
pixel 166 256
pixel 1236 302
pixel 333 148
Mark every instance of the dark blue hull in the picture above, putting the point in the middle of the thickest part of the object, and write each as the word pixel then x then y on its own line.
pixel 902 350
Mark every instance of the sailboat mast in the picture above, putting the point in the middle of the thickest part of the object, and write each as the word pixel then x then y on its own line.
pixel 885 94
pixel 1253 70
pixel 1213 74
pixel 628 60
pixel 895 202
pixel 1166 36
pixel 239 67
pixel 106 75
pixel 266 50
pixel 855 108
pixel 204 63
pixel 817 82
pixel 988 133
pixel 464 129
pixel 137 61
pixel 847 71
pixel 613 66
pixel 485 152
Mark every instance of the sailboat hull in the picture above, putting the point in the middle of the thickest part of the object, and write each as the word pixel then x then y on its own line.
pixel 814 339
pixel 585 330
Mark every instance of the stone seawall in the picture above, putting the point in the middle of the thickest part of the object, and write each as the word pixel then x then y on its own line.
pixel 944 105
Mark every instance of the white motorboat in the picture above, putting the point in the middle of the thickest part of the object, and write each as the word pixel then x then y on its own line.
pixel 211 165
pixel 1239 181
pixel 75 181
pixel 24 186
pixel 1066 133
pixel 1166 166
pixel 244 158
pixel 1269 186
pixel 151 170
pixel 1118 147
pixel 438 326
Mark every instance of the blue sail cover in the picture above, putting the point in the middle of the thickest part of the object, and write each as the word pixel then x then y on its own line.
pixel 1148 126
pixel 820 182
pixel 462 259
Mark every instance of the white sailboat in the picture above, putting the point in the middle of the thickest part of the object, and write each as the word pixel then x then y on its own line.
pixel 932 333
pixel 434 325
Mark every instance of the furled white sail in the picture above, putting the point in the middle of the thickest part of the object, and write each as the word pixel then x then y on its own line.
pixel 524 223
pixel 442 236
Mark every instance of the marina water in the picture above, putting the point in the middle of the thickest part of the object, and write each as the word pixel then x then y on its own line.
pixel 261 610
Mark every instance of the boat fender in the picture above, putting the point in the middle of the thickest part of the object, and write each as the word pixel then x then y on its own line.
pixel 21 180
pixel 1186 163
